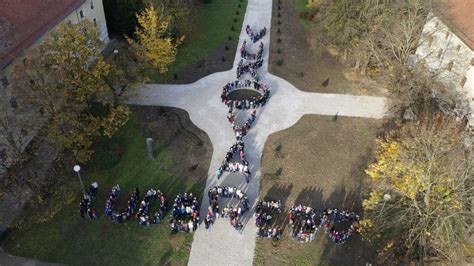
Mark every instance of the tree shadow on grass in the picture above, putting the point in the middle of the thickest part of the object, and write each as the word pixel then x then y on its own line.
pixel 311 196
pixel 356 251
pixel 279 192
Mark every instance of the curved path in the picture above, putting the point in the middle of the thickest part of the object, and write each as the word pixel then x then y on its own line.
pixel 222 244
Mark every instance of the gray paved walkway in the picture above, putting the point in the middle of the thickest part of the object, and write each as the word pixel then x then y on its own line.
pixel 222 245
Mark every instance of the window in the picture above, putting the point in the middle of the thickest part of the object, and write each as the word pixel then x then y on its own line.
pixel 447 34
pixel 92 4
pixel 450 66
pixel 95 22
pixel 5 82
pixel 81 14
pixel 440 53
pixel 463 81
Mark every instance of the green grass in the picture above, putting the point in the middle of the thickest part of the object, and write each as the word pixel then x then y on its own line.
pixel 212 23
pixel 301 7
pixel 68 239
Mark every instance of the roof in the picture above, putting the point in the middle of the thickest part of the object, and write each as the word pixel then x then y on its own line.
pixel 459 16
pixel 23 22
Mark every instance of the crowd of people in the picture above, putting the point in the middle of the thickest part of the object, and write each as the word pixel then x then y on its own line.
pixel 235 167
pixel 111 201
pixel 185 215
pixel 251 103
pixel 85 209
pixel 249 56
pixel 330 217
pixel 250 67
pixel 143 215
pixel 305 222
pixel 255 36
pixel 241 130
pixel 269 232
pixel 231 213
pixel 263 217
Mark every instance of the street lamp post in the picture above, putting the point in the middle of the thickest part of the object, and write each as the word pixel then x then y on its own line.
pixel 77 169
pixel 386 197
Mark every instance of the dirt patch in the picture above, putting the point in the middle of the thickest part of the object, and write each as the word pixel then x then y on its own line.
pixel 291 58
pixel 190 146
pixel 318 162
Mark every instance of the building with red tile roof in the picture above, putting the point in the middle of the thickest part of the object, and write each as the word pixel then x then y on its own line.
pixel 23 24
pixel 458 15
pixel 447 46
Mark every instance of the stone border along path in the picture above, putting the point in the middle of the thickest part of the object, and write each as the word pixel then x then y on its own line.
pixel 222 244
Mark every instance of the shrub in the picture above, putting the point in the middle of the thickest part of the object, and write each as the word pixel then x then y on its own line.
pixel 278 148
pixel 325 83
pixel 279 171
pixel 193 167
pixel 280 62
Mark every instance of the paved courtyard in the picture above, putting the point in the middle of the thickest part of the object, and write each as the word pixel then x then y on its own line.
pixel 222 244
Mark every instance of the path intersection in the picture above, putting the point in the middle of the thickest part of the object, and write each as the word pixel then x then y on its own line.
pixel 222 244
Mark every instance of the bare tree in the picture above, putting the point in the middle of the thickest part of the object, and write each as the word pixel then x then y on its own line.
pixel 418 91
pixel 421 188
pixel 17 128
pixel 394 36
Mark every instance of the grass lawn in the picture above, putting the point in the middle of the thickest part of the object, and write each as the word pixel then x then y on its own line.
pixel 210 26
pixel 319 163
pixel 68 239
pixel 301 7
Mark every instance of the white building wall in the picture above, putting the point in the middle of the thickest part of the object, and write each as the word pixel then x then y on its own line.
pixel 444 53
pixel 91 10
